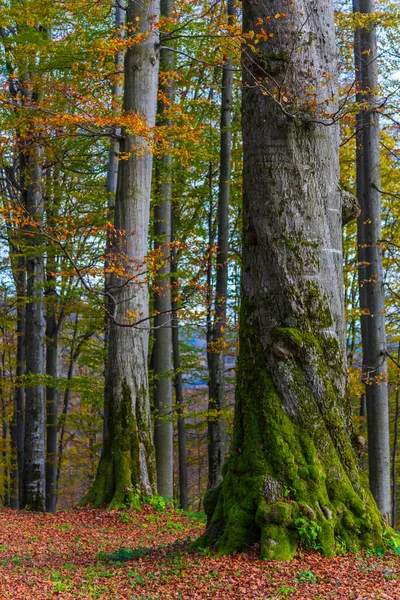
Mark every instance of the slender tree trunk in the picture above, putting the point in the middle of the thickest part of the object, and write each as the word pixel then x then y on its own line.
pixel 127 466
pixel 395 444
pixel 17 428
pixel 178 383
pixel 217 403
pixel 5 432
pixel 291 456
pixel 54 324
pixel 24 91
pixel 116 96
pixel 18 266
pixel 34 455
pixel 209 277
pixel 162 350
pixel 209 271
pixel 75 351
pixel 66 403
pixel 372 298
pixel 113 162
pixel 52 400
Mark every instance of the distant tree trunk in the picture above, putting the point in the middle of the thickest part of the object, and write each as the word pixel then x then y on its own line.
pixel 34 456
pixel 372 298
pixel 75 352
pixel 395 444
pixel 217 403
pixel 5 432
pixel 127 465
pixel 54 323
pixel 113 162
pixel 63 418
pixel 162 350
pixel 17 428
pixel 25 94
pixel 359 183
pixel 18 267
pixel 52 402
pixel 178 383
pixel 291 456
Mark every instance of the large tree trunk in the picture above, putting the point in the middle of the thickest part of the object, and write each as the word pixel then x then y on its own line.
pixel 162 351
pixel 217 403
pixel 33 496
pixel 292 463
pixel 372 296
pixel 127 466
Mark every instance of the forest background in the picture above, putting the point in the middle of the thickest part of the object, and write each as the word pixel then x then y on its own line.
pixel 60 99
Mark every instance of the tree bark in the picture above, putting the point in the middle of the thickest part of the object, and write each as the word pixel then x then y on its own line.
pixel 292 464
pixel 52 398
pixel 395 444
pixel 126 467
pixel 372 297
pixel 162 350
pixel 178 382
pixel 217 403
pixel 33 496
pixel 17 428
pixel 5 439
pixel 113 162
pixel 54 324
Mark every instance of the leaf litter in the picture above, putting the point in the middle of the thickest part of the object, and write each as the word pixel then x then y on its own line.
pixel 123 555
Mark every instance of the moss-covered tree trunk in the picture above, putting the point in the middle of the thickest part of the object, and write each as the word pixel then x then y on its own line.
pixel 127 465
pixel 292 473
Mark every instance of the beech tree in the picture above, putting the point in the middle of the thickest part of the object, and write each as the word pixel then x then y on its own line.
pixel 162 351
pixel 25 186
pixel 292 461
pixel 371 290
pixel 127 465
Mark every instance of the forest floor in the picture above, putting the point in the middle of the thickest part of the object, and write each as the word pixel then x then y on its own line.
pixel 146 556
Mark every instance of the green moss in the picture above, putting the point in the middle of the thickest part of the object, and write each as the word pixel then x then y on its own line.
pixel 280 513
pixel 102 489
pixel 277 542
pixel 326 538
pixel 294 336
pixel 118 479
pixel 210 500
pixel 291 455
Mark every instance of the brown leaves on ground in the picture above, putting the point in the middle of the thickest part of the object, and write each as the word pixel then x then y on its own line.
pixel 145 556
